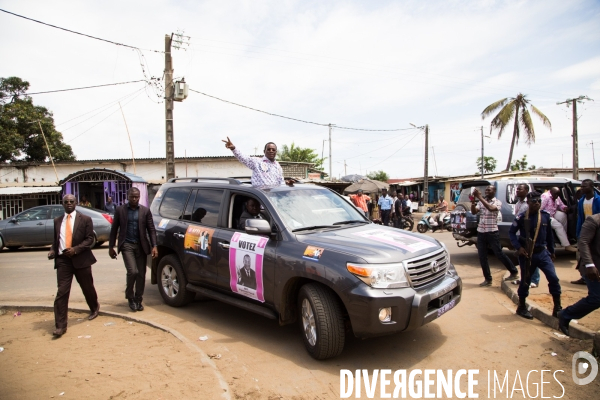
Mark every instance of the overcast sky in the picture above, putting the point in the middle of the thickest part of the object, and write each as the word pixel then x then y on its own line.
pixel 359 64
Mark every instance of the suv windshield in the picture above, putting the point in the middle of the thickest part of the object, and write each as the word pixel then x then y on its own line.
pixel 312 207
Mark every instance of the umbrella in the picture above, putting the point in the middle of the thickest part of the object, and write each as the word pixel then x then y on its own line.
pixel 367 186
pixel 352 178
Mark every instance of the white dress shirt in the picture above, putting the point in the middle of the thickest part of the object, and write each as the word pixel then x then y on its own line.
pixel 63 231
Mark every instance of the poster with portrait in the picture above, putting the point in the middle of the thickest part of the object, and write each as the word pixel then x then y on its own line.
pixel 458 219
pixel 198 241
pixel 246 254
pixel 403 241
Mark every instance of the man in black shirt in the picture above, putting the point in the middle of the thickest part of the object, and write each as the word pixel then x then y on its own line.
pixel 133 224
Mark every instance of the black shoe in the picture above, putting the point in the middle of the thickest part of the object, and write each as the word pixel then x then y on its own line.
pixel 140 307
pixel 132 305
pixel 524 312
pixel 563 324
pixel 512 277
pixel 59 332
pixel 579 281
pixel 485 283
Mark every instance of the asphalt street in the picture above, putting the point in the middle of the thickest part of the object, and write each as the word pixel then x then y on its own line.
pixel 482 332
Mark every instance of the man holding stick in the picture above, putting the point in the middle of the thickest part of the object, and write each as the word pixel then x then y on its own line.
pixel 535 248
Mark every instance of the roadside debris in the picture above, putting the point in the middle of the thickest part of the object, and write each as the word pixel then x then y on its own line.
pixel 553 354
pixel 203 338
pixel 560 335
pixel 109 323
pixel 1 349
pixel 17 314
pixel 215 356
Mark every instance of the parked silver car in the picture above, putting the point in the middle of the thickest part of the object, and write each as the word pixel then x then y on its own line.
pixel 34 227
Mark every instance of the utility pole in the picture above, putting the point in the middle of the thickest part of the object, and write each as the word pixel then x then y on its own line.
pixel 593 155
pixel 575 139
pixel 426 176
pixel 330 169
pixel 169 134
pixel 345 172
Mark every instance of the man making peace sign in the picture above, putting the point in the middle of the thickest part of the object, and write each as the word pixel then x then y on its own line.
pixel 265 171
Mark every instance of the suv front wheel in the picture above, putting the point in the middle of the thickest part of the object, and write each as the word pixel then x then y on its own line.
pixel 321 321
pixel 172 282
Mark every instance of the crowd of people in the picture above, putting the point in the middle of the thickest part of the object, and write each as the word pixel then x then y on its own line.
pixel 537 215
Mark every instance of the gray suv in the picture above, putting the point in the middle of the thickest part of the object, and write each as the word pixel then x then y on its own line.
pixel 307 257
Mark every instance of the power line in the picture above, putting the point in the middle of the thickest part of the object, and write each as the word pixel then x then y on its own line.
pixel 79 33
pixel 102 120
pixel 98 108
pixel 300 120
pixel 401 147
pixel 86 87
pixel 102 110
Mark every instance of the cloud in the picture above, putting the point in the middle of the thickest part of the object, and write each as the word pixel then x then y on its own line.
pixel 583 70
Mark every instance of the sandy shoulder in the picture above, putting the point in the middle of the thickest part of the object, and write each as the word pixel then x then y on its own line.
pixel 92 360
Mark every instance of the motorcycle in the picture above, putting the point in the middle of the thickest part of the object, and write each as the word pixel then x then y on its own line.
pixel 407 223
pixel 428 222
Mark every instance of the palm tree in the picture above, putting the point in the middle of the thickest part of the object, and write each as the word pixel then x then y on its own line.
pixel 515 107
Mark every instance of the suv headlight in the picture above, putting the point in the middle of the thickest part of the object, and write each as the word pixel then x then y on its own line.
pixel 447 252
pixel 380 276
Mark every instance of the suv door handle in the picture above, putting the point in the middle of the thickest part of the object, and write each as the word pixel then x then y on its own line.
pixel 40 223
pixel 179 235
pixel 224 245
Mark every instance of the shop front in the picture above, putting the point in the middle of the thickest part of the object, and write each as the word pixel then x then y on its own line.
pixel 96 185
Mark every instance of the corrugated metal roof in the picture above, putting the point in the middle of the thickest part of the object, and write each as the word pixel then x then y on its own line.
pixel 29 190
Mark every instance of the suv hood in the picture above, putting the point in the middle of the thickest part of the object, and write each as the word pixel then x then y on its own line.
pixel 373 243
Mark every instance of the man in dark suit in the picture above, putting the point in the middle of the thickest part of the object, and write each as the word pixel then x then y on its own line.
pixel 246 276
pixel 251 211
pixel 72 254
pixel 589 249
pixel 133 224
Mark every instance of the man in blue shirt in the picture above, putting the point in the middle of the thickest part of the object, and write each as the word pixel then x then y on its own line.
pixel 534 224
pixel 385 205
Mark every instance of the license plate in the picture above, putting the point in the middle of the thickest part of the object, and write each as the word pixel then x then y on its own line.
pixel 444 309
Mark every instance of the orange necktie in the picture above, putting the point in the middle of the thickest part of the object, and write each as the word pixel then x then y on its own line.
pixel 68 233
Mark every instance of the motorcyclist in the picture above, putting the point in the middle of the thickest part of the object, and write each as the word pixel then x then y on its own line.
pixel 442 209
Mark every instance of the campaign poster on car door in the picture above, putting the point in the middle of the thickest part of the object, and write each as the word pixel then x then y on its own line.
pixel 246 254
pixel 198 241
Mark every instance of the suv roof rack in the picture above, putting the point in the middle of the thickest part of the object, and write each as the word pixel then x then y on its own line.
pixel 231 181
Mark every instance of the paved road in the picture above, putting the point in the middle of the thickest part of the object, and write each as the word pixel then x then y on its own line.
pixel 261 359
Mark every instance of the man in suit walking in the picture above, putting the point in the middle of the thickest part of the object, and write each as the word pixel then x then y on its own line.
pixel 589 249
pixel 72 254
pixel 133 224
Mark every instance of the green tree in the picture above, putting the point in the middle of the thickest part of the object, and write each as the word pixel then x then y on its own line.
pixel 378 176
pixel 489 164
pixel 515 108
pixel 299 154
pixel 521 165
pixel 20 135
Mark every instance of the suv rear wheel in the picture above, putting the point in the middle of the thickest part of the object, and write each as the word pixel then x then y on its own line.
pixel 172 282
pixel 321 321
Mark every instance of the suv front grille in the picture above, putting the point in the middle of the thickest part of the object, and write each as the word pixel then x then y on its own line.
pixel 427 268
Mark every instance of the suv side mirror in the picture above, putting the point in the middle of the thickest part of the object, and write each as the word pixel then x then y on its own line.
pixel 258 227
pixel 13 221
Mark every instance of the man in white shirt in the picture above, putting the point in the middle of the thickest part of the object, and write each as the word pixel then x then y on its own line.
pixel 72 254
